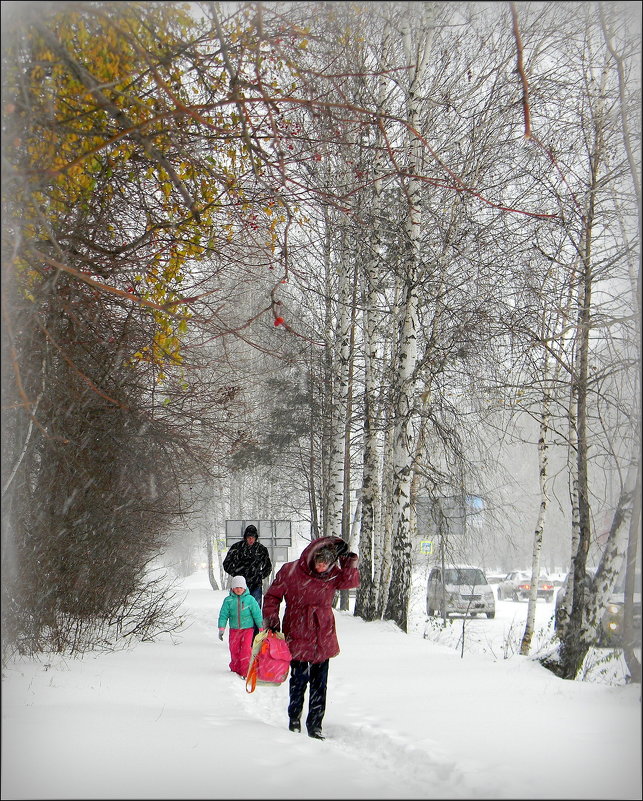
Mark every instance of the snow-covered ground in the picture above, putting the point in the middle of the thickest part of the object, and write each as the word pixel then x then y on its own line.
pixel 408 716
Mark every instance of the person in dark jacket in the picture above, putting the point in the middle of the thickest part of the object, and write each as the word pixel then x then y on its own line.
pixel 250 559
pixel 308 586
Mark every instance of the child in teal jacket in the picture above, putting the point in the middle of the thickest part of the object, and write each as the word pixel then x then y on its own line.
pixel 243 612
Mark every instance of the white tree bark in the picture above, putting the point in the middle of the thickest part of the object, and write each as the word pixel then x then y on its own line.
pixel 383 544
pixel 612 559
pixel 417 47
pixel 543 458
pixel 371 517
pixel 340 396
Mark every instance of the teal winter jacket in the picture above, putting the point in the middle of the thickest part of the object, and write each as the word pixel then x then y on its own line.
pixel 242 611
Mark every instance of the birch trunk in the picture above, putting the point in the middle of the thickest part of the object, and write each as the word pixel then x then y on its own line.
pixel 328 384
pixel 572 649
pixel 403 449
pixel 366 597
pixel 573 645
pixel 550 384
pixel 573 655
pixel 385 566
pixel 540 525
pixel 348 414
pixel 630 641
pixel 339 398
pixel 312 466
pixel 210 553
pixel 370 553
pixel 417 50
pixel 383 545
pixel 612 559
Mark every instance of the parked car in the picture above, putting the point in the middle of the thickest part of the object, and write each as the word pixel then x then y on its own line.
pixel 517 586
pixel 466 591
pixel 612 621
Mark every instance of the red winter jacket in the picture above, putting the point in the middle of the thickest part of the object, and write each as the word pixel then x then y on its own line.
pixel 309 621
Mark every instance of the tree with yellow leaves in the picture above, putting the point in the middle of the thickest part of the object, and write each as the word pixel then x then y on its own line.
pixel 135 173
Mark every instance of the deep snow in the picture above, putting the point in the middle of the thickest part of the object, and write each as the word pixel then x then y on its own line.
pixel 407 717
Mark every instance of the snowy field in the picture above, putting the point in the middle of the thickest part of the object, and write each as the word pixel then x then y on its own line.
pixel 409 717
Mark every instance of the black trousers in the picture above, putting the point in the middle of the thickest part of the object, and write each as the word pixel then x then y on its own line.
pixel 256 594
pixel 301 673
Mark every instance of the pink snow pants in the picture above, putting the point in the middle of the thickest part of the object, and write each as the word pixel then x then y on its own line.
pixel 240 650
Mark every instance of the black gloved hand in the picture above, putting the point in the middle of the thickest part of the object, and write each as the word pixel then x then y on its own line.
pixel 349 559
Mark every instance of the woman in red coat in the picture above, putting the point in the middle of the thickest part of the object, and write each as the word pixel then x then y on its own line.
pixel 308 585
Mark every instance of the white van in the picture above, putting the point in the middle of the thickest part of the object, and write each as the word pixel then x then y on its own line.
pixel 466 592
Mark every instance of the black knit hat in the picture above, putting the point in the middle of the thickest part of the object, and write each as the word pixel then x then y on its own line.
pixel 251 531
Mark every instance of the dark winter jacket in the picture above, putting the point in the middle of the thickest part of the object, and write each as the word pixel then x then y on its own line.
pixel 250 561
pixel 242 611
pixel 309 620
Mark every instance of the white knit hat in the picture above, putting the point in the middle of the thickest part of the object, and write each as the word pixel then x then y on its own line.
pixel 238 581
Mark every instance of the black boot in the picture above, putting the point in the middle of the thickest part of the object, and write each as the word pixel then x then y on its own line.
pixel 294 725
pixel 316 734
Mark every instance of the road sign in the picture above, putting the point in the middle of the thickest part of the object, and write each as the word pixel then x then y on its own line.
pixel 274 534
pixel 426 546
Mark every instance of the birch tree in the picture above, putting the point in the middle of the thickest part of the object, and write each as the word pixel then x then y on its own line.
pixel 340 386
pixel 372 261
pixel 416 43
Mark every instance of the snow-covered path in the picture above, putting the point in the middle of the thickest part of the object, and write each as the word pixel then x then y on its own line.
pixel 406 718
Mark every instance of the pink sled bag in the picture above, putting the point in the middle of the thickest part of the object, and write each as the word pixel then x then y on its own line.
pixel 270 660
